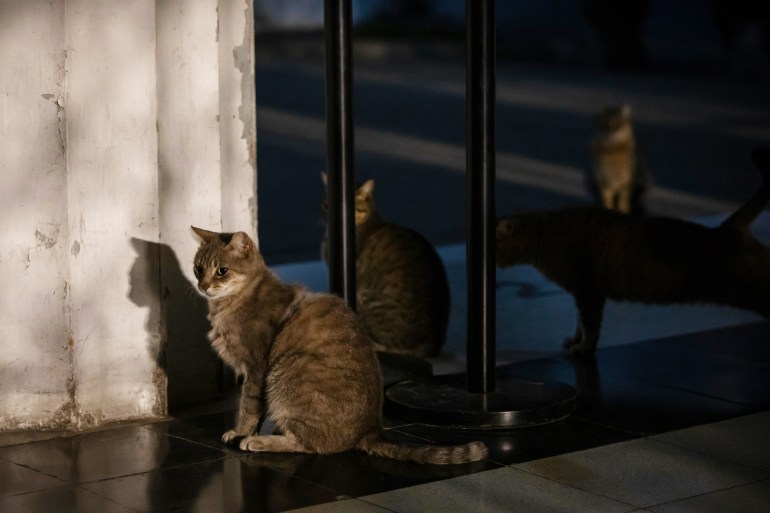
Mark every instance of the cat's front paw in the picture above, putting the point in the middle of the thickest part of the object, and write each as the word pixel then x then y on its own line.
pixel 576 347
pixel 251 443
pixel 232 436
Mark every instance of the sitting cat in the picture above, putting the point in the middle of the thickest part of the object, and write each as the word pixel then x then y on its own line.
pixel 595 254
pixel 402 291
pixel 619 178
pixel 305 359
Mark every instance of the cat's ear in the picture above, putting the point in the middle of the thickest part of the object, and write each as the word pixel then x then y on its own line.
pixel 240 244
pixel 204 235
pixel 625 111
pixel 367 188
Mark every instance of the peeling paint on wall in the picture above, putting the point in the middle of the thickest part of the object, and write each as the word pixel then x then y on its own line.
pixel 160 380
pixel 48 237
pixel 243 56
pixel 58 100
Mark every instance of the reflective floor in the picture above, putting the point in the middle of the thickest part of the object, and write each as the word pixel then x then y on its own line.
pixel 622 450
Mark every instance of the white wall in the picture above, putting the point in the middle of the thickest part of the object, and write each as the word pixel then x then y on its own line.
pixel 34 244
pixel 120 126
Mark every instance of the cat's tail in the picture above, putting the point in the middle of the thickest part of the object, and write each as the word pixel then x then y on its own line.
pixel 744 216
pixel 376 445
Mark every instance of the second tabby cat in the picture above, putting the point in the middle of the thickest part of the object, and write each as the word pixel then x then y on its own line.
pixel 596 254
pixel 305 359
pixel 402 291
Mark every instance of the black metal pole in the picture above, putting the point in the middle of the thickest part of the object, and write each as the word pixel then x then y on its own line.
pixel 480 169
pixel 339 150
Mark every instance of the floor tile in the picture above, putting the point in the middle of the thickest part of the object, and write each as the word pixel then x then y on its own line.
pixel 212 424
pixel 723 376
pixel 229 485
pixel 503 490
pixel 744 440
pixel 354 473
pixel 61 500
pixel 204 429
pixel 351 473
pixel 747 342
pixel 110 453
pixel 643 472
pixel 605 398
pixel 342 506
pixel 751 498
pixel 16 479
pixel 655 409
pixel 525 444
pixel 26 436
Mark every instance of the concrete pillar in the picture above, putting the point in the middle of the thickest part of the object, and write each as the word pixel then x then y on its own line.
pixel 35 352
pixel 117 134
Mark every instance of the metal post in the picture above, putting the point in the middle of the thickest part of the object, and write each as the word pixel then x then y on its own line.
pixel 480 169
pixel 339 150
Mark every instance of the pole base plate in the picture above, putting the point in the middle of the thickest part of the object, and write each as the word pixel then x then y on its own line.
pixel 444 401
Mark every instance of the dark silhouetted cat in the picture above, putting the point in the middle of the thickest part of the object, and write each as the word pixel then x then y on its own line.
pixel 402 291
pixel 305 359
pixel 597 254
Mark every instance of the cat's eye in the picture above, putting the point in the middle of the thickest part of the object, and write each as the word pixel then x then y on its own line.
pixel 198 271
pixel 222 271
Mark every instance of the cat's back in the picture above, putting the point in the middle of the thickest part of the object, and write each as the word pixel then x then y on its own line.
pixel 399 261
pixel 615 253
pixel 653 259
pixel 322 365
pixel 392 247
pixel 403 291
pixel 320 324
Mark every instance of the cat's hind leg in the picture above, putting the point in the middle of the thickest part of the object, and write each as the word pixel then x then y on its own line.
pixel 590 311
pixel 607 197
pixel 272 443
pixel 577 338
pixel 624 200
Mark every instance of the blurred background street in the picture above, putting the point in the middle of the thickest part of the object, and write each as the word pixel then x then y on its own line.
pixel 698 86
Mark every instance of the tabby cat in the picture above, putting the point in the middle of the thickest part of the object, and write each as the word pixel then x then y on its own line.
pixel 402 291
pixel 619 178
pixel 305 359
pixel 595 254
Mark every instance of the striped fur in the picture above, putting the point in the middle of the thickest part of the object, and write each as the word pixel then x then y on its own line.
pixel 306 360
pixel 402 291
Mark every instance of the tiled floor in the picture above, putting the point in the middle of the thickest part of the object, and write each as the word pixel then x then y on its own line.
pixel 673 415
pixel 670 425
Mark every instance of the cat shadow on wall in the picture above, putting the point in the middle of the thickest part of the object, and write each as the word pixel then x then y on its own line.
pixel 176 326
